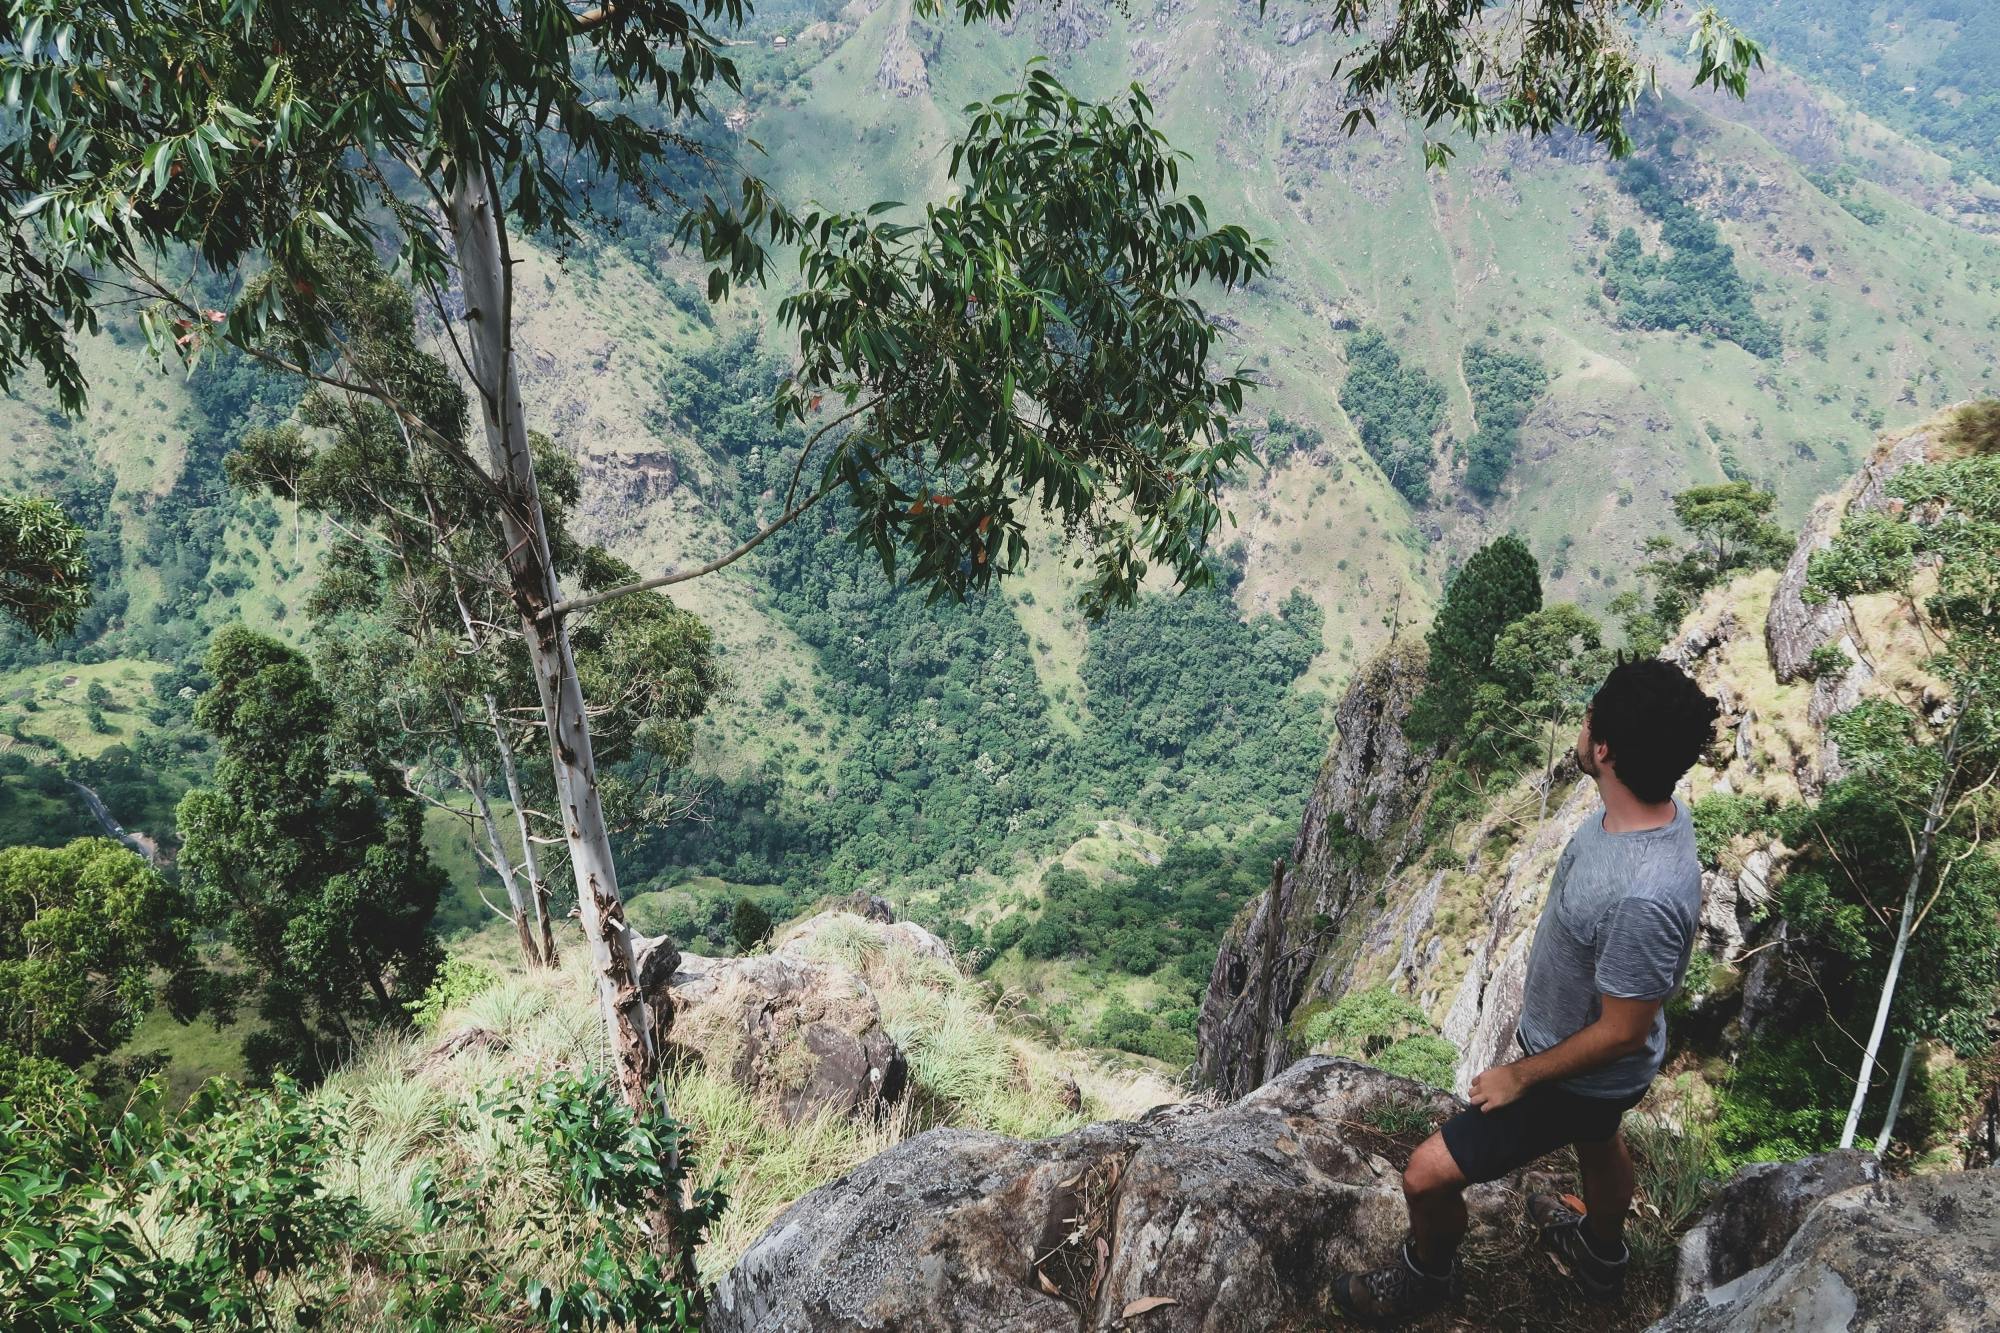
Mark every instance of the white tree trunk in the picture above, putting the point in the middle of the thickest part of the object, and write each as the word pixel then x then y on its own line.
pixel 1896 1097
pixel 483 265
pixel 496 846
pixel 531 861
pixel 1933 817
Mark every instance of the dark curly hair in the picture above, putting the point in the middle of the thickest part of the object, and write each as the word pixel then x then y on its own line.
pixel 1655 721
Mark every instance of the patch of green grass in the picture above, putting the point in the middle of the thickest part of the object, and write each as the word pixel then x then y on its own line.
pixel 50 705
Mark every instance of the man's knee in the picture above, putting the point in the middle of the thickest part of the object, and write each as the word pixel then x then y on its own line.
pixel 1606 1154
pixel 1431 1171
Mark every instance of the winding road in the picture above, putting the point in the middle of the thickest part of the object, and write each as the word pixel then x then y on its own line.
pixel 138 842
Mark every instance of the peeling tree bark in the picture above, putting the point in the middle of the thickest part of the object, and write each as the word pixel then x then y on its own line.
pixel 616 951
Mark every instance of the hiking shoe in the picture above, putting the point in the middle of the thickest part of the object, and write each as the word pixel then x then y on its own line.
pixel 1562 1230
pixel 1403 1290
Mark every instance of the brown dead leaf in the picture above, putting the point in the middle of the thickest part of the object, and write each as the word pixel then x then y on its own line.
pixel 1048 1286
pixel 1145 1303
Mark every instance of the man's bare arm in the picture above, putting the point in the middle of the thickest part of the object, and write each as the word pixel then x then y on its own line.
pixel 1621 1029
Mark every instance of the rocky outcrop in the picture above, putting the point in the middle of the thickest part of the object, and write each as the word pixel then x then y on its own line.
pixel 807 1035
pixel 1757 1211
pixel 1795 630
pixel 1375 773
pixel 1204 1219
pixel 902 71
pixel 800 939
pixel 1367 784
pixel 1911 1254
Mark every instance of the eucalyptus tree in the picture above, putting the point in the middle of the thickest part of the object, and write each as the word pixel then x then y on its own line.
pixel 411 605
pixel 1033 339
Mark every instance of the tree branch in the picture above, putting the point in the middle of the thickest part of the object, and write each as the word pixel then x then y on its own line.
pixel 784 520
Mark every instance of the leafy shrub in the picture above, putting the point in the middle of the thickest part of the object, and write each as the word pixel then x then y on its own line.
pixel 1721 816
pixel 1826 660
pixel 1940 1103
pixel 1785 1099
pixel 226 1217
pixel 1426 1059
pixel 749 925
pixel 457 981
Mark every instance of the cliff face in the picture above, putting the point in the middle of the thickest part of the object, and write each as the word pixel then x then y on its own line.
pixel 1364 791
pixel 1449 925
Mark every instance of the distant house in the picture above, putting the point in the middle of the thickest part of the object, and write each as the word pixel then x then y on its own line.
pixel 737 120
pixel 781 40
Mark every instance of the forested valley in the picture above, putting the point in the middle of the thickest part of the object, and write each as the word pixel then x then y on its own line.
pixel 603 622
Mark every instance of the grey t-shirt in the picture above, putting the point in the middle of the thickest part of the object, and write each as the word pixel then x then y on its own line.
pixel 1620 920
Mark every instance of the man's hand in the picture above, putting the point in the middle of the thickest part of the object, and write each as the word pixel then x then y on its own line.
pixel 1498 1086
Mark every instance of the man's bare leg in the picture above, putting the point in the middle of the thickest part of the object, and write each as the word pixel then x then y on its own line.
pixel 1422 1277
pixel 1434 1187
pixel 1607 1193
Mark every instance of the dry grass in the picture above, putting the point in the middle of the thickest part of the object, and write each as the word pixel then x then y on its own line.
pixel 405 1113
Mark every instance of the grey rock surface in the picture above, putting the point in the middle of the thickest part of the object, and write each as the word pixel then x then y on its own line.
pixel 806 1034
pixel 1238 1218
pixel 1757 1210
pixel 1895 1256
pixel 1367 783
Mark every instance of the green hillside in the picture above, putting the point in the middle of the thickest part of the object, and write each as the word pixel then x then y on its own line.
pixel 1749 299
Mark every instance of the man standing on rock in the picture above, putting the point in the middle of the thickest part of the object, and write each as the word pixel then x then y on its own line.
pixel 1612 945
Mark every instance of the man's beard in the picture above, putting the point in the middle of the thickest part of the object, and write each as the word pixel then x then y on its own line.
pixel 1586 761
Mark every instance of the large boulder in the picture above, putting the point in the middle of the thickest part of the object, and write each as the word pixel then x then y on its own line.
pixel 1757 1211
pixel 806 1034
pixel 1192 1217
pixel 1921 1253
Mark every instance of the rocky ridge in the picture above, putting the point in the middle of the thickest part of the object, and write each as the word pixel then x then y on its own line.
pixel 1919 1253
pixel 1450 928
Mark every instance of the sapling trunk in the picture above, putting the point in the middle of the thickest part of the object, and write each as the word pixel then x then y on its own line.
pixel 1933 818
pixel 531 861
pixel 496 847
pixel 1896 1097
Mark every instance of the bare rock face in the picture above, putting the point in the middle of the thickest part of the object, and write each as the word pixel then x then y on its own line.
pixel 1759 1209
pixel 1375 773
pixel 902 71
pixel 1368 782
pixel 1794 630
pixel 1920 1253
pixel 1223 1219
pixel 806 1034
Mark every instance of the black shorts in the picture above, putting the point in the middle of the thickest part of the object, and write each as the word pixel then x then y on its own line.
pixel 1488 1144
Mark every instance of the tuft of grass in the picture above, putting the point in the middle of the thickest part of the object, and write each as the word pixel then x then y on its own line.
pixel 1674 1157
pixel 1399 1118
